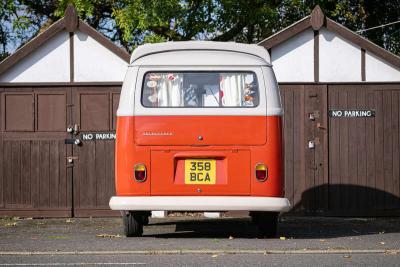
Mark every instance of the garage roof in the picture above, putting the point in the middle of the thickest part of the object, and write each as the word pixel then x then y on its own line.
pixel 318 20
pixel 70 23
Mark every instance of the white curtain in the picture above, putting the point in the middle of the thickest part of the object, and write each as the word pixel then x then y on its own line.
pixel 170 91
pixel 232 86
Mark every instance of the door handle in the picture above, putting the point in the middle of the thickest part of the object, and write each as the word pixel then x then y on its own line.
pixel 72 141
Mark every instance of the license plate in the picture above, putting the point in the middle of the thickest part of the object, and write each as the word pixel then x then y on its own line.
pixel 200 171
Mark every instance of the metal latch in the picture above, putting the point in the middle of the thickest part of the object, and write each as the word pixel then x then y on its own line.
pixel 313 143
pixel 70 159
pixel 314 115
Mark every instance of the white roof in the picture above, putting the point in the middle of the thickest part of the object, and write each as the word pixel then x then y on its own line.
pixel 249 49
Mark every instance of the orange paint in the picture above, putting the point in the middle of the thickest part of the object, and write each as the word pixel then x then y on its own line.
pixel 162 143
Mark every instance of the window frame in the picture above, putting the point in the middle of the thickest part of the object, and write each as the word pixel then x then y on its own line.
pixel 200 71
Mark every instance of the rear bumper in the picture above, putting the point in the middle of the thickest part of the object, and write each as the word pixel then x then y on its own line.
pixel 203 203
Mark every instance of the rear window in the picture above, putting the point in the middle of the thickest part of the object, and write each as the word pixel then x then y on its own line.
pixel 200 89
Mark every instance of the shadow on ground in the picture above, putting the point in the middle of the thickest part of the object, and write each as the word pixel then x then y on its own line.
pixel 290 227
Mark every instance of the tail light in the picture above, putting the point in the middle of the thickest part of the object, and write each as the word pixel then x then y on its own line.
pixel 261 172
pixel 140 172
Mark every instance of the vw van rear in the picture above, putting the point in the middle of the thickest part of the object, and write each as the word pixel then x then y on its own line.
pixel 199 128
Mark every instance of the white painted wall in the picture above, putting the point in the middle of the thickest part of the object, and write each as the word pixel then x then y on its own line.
pixel 378 70
pixel 293 60
pixel 49 63
pixel 94 62
pixel 339 60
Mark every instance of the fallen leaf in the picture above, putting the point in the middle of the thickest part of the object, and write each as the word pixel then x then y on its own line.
pixel 107 236
pixel 214 256
pixel 282 238
pixel 231 237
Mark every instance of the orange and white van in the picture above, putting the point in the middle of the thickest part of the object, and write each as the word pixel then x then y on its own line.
pixel 199 128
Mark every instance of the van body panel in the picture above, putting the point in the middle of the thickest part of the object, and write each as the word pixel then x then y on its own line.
pixel 200 130
pixel 162 162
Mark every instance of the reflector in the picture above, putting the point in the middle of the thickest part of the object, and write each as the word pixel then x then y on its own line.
pixel 140 172
pixel 261 172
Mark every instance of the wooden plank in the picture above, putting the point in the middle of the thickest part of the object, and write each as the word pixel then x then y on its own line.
pixel 54 174
pixel 7 173
pixel 311 98
pixel 299 144
pixel 110 170
pixel 387 149
pixel 16 173
pixel 26 173
pixel 370 152
pixel 78 177
pixel 321 157
pixel 396 149
pixel 334 151
pixel 343 153
pixel 379 118
pixel 63 186
pixel 90 164
pixel 44 174
pixel 353 144
pixel 35 173
pixel 361 199
pixel 288 139
pixel 101 174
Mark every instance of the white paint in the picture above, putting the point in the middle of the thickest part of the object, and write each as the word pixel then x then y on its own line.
pixel 159 214
pixel 94 62
pixel 212 214
pixel 378 70
pixel 194 46
pixel 48 63
pixel 200 203
pixel 200 58
pixel 293 60
pixel 339 59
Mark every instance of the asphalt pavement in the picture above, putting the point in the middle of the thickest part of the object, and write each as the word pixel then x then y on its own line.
pixel 198 241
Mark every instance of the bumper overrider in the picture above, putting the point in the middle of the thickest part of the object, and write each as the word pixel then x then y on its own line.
pixel 199 203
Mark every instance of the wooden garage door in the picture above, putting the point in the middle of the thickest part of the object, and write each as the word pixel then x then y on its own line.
pixel 306 165
pixel 94 113
pixel 34 178
pixel 364 153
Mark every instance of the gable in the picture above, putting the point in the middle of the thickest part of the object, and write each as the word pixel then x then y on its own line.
pixel 94 62
pixel 48 63
pixel 377 69
pixel 335 54
pixel 68 51
pixel 339 59
pixel 292 60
